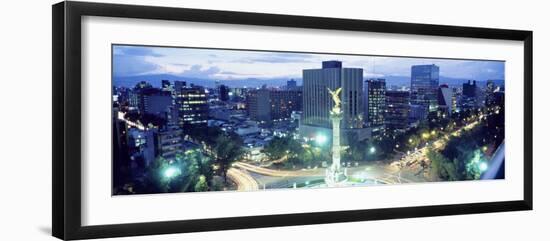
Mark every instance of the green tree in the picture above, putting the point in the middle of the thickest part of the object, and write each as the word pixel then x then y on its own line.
pixel 284 147
pixel 356 150
pixel 161 176
pixel 201 185
pixel 473 171
pixel 227 150
pixel 217 183
pixel 277 148
pixel 443 168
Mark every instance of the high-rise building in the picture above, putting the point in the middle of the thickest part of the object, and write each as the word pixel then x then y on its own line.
pixel 397 110
pixel 271 104
pixel 258 106
pixel 490 90
pixel 376 101
pixel 317 101
pixel 223 92
pixel 291 84
pixel 192 106
pixel 166 86
pixel 238 94
pixel 284 102
pixel 446 100
pixel 424 86
pixel 141 146
pixel 121 159
pixel 136 95
pixel 157 103
pixel 469 89
pixel 470 96
pixel 178 85
pixel 168 142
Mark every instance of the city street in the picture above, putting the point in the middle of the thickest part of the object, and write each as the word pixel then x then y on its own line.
pixel 407 169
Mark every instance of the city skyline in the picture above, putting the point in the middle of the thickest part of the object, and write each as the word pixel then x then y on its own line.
pixel 335 127
pixel 228 65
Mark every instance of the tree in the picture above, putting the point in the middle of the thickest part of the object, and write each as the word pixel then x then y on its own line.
pixel 216 184
pixel 156 178
pixel 473 170
pixel 356 150
pixel 443 168
pixel 227 150
pixel 284 147
pixel 202 184
pixel 277 148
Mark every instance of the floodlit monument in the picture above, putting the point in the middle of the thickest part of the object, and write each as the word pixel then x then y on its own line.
pixel 334 174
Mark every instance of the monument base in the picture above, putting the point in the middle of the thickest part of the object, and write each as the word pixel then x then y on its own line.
pixel 335 177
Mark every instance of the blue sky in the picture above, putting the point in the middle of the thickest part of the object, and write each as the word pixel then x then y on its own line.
pixel 237 64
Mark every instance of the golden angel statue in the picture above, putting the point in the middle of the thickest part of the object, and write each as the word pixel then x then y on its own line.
pixel 336 97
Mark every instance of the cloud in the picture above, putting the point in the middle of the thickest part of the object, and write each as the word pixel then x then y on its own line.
pixel 277 58
pixel 464 69
pixel 227 75
pixel 128 65
pixel 136 51
pixel 230 73
pixel 477 70
pixel 132 60
pixel 233 64
pixel 197 71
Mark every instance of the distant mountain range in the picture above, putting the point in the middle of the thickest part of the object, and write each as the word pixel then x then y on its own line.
pixel 406 81
pixel 156 79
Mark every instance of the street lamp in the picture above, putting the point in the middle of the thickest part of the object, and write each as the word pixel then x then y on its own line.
pixel 170 172
pixel 426 135
pixel 483 166
pixel 372 150
pixel 320 139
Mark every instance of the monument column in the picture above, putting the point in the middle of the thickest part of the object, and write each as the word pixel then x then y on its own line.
pixel 334 173
pixel 336 118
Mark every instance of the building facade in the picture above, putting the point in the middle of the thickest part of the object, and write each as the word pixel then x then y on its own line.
pixel 291 84
pixel 317 101
pixel 424 86
pixel 266 105
pixel 223 92
pixel 446 100
pixel 284 102
pixel 397 110
pixel 157 103
pixel 471 97
pixel 168 142
pixel 376 101
pixel 191 106
pixel 258 106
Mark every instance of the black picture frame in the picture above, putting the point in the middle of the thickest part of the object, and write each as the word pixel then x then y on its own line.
pixel 67 135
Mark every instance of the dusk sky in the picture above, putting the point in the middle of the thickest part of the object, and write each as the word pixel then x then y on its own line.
pixel 238 64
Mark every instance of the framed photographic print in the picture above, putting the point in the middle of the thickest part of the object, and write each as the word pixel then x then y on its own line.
pixel 170 120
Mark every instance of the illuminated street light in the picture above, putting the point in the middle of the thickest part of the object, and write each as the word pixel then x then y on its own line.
pixel 372 150
pixel 483 166
pixel 170 172
pixel 320 139
pixel 426 135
